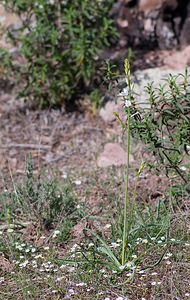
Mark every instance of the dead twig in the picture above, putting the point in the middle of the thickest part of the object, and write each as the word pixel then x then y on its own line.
pixel 25 146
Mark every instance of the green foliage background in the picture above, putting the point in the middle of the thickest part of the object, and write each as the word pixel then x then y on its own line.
pixel 59 42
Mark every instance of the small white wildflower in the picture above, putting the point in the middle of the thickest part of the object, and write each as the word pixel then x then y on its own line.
pixel 38 256
pixel 154 273
pixel 90 245
pixel 119 241
pixel 33 250
pixel 134 256
pixel 2 279
pixel 1 232
pixel 129 264
pixel 119 298
pixel 145 241
pixel 34 262
pixel 46 248
pixel 78 206
pixel 107 226
pixel 159 242
pixel 153 238
pixel 27 250
pixel 10 230
pixel 59 278
pixel 159 282
pixel 127 103
pixel 162 238
pixel 121 267
pixel 153 283
pixel 43 237
pixel 71 291
pixel 74 247
pixel 168 262
pixel 56 232
pixel 80 284
pixel 107 298
pixel 187 244
pixel 143 298
pixel 187 294
pixel 141 271
pixel 183 168
pixel 64 176
pixel 62 266
pixel 102 270
pixel 114 245
pixel 54 291
pixel 129 274
pixel 51 2
pixel 77 182
pixel 172 240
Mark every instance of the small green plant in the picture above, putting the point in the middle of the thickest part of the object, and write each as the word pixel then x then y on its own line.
pixel 42 200
pixel 121 262
pixel 59 42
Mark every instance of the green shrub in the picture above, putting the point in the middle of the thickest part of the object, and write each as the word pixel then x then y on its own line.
pixel 164 126
pixel 59 41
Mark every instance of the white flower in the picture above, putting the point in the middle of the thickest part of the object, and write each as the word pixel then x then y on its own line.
pixel 183 168
pixel 59 278
pixel 122 267
pixel 107 226
pixel 80 284
pixel 187 294
pixel 56 232
pixel 64 176
pixel 10 230
pixel 153 283
pixel 114 245
pixel 145 241
pixel 127 103
pixel 102 270
pixel 129 264
pixel 119 298
pixel 77 182
pixel 51 2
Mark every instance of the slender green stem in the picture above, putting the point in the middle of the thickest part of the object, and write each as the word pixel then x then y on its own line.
pixel 126 189
pixel 133 202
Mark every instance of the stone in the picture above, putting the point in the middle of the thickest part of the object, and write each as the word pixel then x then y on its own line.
pixel 156 75
pixel 113 155
pixel 106 112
